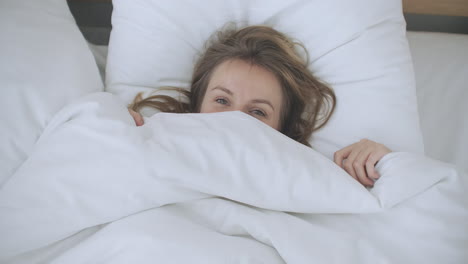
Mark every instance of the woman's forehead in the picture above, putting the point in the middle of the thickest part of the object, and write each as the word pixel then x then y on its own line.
pixel 242 77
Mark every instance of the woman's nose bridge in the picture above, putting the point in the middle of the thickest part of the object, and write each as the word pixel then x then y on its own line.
pixel 239 107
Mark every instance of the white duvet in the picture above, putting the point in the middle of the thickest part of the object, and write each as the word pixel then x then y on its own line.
pixel 218 188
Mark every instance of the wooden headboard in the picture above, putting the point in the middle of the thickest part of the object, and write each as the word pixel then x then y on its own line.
pixel 437 7
pixel 436 15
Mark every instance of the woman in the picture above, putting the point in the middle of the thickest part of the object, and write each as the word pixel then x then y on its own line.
pixel 258 71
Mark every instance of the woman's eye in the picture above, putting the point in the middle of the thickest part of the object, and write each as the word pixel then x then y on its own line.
pixel 221 101
pixel 259 113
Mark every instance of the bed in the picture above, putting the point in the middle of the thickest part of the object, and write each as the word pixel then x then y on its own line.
pixel 80 184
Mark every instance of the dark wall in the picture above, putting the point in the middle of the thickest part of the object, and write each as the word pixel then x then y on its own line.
pixel 450 24
pixel 94 20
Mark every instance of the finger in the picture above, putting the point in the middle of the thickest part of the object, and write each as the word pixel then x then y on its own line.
pixel 360 168
pixel 139 120
pixel 136 117
pixel 349 163
pixel 373 159
pixel 370 166
pixel 341 155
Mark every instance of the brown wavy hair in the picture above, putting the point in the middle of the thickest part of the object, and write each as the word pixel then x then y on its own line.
pixel 307 104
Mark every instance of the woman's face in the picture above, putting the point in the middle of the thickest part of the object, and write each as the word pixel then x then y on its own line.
pixel 236 85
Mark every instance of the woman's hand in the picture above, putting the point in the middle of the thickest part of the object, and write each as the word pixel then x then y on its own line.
pixel 359 160
pixel 137 117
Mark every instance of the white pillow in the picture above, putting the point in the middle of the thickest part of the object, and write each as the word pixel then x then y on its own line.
pixel 45 63
pixel 358 47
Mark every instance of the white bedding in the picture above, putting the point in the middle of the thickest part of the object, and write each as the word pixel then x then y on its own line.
pixel 196 188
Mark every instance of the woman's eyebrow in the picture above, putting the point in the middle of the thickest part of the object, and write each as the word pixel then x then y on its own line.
pixel 223 89
pixel 263 101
